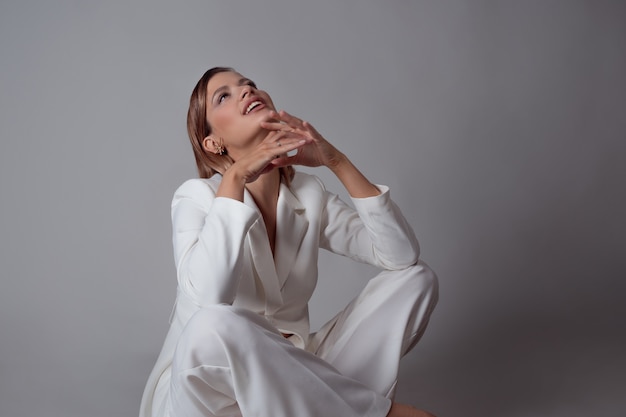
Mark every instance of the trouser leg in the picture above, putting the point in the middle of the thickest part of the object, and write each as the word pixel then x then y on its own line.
pixel 231 362
pixel 366 340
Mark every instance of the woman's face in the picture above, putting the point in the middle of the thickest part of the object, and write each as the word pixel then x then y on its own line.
pixel 235 109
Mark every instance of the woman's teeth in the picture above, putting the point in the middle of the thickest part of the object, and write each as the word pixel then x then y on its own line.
pixel 252 106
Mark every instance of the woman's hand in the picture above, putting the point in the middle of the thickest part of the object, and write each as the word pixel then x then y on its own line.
pixel 260 160
pixel 316 152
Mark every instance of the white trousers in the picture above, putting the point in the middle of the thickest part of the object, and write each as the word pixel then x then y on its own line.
pixel 232 362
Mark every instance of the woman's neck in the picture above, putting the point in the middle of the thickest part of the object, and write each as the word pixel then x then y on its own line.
pixel 265 190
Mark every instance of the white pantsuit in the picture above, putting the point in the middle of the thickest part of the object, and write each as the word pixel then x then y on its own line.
pixel 225 353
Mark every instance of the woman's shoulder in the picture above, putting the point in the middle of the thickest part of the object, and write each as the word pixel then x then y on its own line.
pixel 198 189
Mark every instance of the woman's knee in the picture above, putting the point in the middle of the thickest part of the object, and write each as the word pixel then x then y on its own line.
pixel 425 277
pixel 417 279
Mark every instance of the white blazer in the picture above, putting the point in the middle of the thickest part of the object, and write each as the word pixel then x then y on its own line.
pixel 222 255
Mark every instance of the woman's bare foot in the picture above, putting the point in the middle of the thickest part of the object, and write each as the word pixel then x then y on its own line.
pixel 403 410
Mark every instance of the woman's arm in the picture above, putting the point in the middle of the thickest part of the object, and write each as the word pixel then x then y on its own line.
pixel 374 232
pixel 355 182
pixel 377 232
pixel 208 237
pixel 319 152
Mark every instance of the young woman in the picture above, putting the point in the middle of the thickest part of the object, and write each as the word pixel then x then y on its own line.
pixel 246 239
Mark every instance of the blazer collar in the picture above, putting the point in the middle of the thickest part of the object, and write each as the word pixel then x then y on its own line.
pixel 291 225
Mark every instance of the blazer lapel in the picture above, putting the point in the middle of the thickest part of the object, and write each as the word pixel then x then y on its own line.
pixel 261 254
pixel 291 225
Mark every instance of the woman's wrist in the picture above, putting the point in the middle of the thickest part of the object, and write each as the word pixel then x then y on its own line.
pixel 232 184
pixel 357 185
pixel 338 163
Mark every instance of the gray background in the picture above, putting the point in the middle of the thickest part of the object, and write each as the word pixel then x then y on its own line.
pixel 499 125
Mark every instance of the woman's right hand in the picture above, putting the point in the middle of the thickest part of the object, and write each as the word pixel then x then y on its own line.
pixel 257 162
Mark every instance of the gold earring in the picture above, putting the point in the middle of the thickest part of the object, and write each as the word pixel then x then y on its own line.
pixel 219 147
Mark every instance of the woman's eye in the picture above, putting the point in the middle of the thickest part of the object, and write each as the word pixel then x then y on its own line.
pixel 222 97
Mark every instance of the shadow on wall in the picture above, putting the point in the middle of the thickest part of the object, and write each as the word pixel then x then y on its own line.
pixel 541 332
pixel 526 366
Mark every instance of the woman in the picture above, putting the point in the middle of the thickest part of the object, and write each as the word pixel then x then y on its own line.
pixel 246 241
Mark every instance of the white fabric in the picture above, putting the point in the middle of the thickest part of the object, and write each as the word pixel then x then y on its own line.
pixel 223 257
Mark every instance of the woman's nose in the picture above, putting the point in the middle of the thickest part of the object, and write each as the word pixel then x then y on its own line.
pixel 245 91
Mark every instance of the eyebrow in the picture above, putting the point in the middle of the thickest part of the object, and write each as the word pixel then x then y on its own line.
pixel 242 81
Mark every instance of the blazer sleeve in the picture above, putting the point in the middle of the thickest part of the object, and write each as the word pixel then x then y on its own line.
pixel 374 232
pixel 208 237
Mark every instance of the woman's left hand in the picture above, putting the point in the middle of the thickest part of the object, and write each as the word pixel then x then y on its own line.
pixel 316 152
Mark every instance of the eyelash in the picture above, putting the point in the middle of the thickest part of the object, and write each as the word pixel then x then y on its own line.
pixel 224 95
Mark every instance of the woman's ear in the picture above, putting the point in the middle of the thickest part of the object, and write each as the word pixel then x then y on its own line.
pixel 209 144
